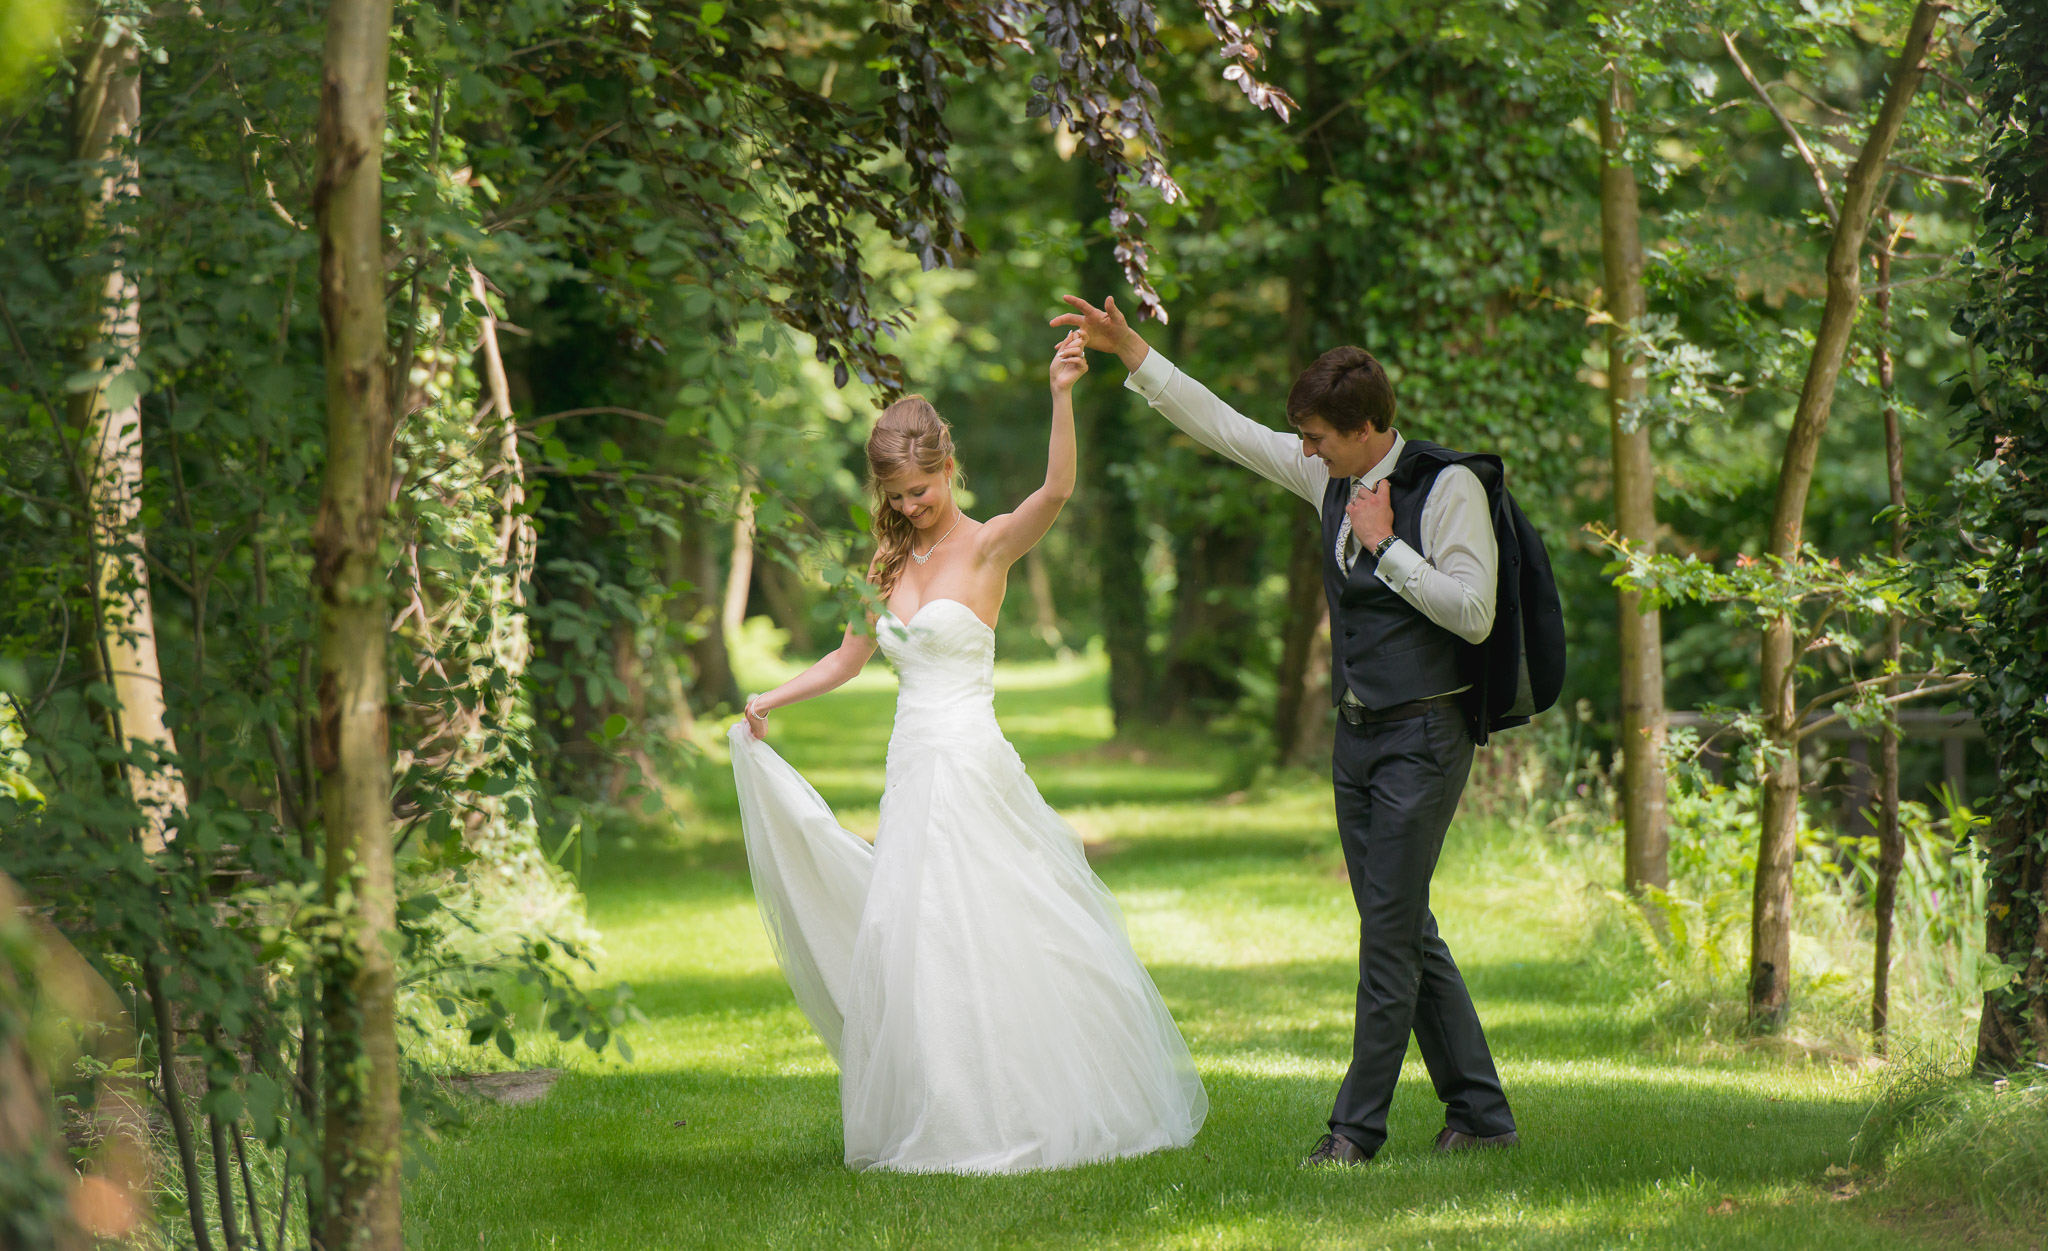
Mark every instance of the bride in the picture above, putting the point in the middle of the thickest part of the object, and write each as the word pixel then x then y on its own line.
pixel 969 971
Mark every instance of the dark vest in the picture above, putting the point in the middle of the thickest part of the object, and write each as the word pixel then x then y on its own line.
pixel 1381 647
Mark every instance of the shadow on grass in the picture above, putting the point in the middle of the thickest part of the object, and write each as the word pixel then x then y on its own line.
pixel 603 1163
pixel 1294 1012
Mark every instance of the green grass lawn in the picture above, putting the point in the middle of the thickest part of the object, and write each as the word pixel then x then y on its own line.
pixel 724 1132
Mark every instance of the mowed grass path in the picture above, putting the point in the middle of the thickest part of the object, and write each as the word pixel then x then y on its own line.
pixel 1240 909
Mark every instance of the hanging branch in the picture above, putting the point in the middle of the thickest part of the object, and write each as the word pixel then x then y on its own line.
pixel 1820 180
pixel 1100 51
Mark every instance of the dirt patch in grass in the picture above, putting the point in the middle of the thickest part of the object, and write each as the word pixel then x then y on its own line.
pixel 514 1090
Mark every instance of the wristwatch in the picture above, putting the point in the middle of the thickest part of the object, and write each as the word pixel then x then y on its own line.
pixel 1380 549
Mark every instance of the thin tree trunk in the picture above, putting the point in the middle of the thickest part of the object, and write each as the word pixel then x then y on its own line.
pixel 1301 685
pixel 107 109
pixel 1295 704
pixel 511 645
pixel 224 1183
pixel 515 526
pixel 1045 617
pixel 783 589
pixel 1770 959
pixel 361 1149
pixel 224 1180
pixel 1646 842
pixel 632 676
pixel 1118 537
pixel 739 578
pixel 1890 839
pixel 174 1102
pixel 1207 651
pixel 249 1192
pixel 693 560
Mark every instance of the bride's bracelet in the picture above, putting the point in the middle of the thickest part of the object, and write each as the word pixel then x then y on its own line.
pixel 753 711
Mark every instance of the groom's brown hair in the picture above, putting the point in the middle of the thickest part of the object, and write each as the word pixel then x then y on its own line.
pixel 1345 387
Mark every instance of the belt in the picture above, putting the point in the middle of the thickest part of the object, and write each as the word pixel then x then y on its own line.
pixel 1359 714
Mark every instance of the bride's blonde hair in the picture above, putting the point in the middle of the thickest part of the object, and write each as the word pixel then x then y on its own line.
pixel 908 437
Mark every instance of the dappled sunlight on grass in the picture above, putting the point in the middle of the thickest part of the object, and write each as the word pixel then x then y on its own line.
pixel 1239 905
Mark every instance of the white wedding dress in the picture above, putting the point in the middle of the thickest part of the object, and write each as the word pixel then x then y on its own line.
pixel 969 971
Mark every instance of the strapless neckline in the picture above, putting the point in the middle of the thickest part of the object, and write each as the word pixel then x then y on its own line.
pixel 940 600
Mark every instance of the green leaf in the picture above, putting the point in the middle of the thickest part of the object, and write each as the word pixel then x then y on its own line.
pixel 615 725
pixel 263 1098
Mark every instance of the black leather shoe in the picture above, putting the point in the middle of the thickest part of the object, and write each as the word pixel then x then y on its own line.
pixel 1458 1140
pixel 1335 1149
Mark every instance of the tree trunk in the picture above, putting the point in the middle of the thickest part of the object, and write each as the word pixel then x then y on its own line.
pixel 1302 685
pixel 2004 423
pixel 1890 839
pixel 511 645
pixel 1770 958
pixel 1045 617
pixel 174 1101
pixel 693 560
pixel 1211 627
pixel 1646 842
pixel 1119 539
pixel 633 766
pixel 107 108
pixel 782 589
pixel 739 579
pixel 361 1152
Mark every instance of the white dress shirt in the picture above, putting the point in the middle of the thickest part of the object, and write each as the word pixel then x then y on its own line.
pixel 1451 581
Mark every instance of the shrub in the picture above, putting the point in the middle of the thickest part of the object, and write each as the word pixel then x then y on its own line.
pixel 1946 1139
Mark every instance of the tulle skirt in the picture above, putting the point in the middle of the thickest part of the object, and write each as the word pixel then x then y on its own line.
pixel 970 972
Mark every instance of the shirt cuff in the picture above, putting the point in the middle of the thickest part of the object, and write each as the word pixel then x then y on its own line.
pixel 1399 566
pixel 1151 376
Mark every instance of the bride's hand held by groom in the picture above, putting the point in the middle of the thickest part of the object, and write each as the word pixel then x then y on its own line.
pixel 1069 362
pixel 1105 329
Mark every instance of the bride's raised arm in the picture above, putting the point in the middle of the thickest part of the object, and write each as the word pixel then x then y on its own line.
pixel 1005 539
pixel 830 672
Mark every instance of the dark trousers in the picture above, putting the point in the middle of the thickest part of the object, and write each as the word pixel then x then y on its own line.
pixel 1398 784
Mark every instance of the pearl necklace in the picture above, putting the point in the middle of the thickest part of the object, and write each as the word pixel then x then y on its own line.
pixel 934 547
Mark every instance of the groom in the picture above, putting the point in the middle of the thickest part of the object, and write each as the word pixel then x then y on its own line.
pixel 1409 568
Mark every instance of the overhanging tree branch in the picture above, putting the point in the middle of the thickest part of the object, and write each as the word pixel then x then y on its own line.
pixel 1820 179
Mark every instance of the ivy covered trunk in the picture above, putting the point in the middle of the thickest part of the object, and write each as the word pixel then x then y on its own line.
pixel 353 742
pixel 1645 853
pixel 106 110
pixel 1770 951
pixel 2006 409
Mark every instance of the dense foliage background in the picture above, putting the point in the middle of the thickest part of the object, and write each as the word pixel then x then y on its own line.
pixel 649 268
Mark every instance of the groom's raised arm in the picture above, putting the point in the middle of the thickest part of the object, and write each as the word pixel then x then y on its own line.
pixel 1222 429
pixel 1195 409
